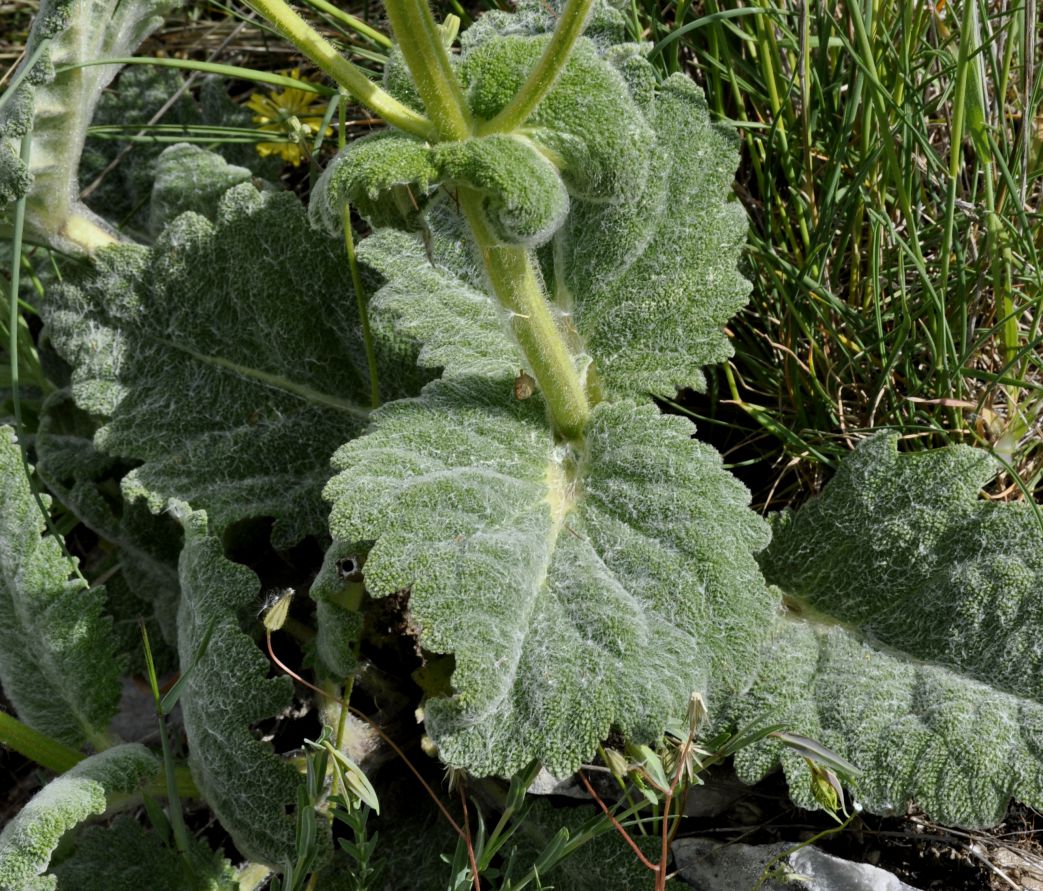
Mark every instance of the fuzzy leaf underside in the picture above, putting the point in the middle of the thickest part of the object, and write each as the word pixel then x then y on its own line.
pixel 59 108
pixel 915 649
pixel 246 784
pixel 58 662
pixel 126 857
pixel 228 359
pixel 576 592
pixel 29 839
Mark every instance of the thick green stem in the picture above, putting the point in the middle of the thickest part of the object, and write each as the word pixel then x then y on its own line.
pixel 424 51
pixel 36 746
pixel 350 77
pixel 542 77
pixel 512 274
pixel 350 21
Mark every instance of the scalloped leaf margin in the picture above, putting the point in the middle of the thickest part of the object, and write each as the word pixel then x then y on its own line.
pixel 912 647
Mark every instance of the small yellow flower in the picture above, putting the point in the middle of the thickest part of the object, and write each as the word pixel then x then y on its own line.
pixel 297 114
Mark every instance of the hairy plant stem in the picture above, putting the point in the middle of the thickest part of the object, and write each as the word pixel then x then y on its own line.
pixel 349 76
pixel 512 275
pixel 511 270
pixel 542 77
pixel 424 51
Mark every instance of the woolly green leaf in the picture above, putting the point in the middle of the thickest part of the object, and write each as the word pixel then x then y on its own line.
pixel 245 783
pixel 576 592
pixel 523 195
pixel 84 480
pixel 588 119
pixel 914 648
pixel 338 628
pixel 190 178
pixel 385 177
pixel 605 26
pixel 652 279
pixel 440 304
pixel 88 789
pixel 125 857
pixel 59 108
pixel 228 359
pixel 388 179
pixel 58 662
pixel 588 126
pixel 646 283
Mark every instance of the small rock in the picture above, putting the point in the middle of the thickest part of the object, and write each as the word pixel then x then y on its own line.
pixel 711 866
pixel 570 787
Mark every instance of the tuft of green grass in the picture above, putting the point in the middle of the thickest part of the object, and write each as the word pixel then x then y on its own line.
pixel 892 168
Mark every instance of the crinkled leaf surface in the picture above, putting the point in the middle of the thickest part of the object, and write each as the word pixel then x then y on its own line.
pixel 126 857
pixel 28 840
pixel 588 118
pixel 85 481
pixel 188 177
pixel 442 303
pixel 58 662
pixel 914 648
pixel 653 278
pixel 245 783
pixel 228 359
pixel 576 591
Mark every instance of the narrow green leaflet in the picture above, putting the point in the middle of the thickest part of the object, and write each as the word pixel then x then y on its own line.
pixel 246 784
pixel 88 789
pixel 912 648
pixel 229 359
pixel 58 663
pixel 58 109
pixel 577 592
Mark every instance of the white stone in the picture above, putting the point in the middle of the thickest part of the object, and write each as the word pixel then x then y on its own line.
pixel 707 865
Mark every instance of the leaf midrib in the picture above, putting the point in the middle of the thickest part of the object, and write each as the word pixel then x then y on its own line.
pixel 277 381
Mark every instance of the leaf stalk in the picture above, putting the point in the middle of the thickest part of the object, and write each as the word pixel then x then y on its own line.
pixel 555 56
pixel 515 282
pixel 349 76
pixel 424 50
